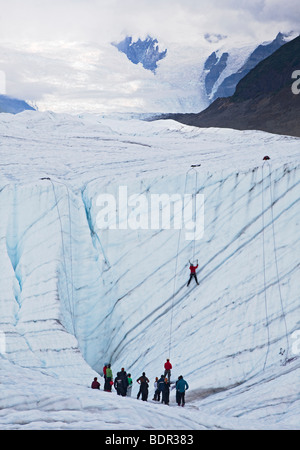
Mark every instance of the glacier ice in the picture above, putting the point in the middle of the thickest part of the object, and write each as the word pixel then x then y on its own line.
pixel 74 297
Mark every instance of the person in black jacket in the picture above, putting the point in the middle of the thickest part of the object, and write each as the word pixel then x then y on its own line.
pixel 121 383
pixel 166 392
pixel 156 396
pixel 160 384
pixel 143 382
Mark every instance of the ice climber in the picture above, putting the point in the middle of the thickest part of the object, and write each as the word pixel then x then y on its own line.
pixel 143 382
pixel 193 272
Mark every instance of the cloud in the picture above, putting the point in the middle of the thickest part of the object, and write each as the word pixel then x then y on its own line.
pixel 170 20
pixel 59 54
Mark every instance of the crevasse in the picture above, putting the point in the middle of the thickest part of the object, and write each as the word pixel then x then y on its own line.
pixel 67 299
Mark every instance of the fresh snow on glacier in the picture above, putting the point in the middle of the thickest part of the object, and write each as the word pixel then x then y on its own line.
pixel 74 296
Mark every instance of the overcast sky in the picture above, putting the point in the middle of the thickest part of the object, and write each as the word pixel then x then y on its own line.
pixel 183 20
pixel 33 32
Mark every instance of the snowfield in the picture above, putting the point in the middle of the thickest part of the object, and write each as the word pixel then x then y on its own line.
pixel 74 296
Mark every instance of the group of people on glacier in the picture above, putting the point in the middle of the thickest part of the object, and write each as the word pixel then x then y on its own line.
pixel 123 384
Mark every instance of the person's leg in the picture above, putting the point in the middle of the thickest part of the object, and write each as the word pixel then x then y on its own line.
pixel 183 398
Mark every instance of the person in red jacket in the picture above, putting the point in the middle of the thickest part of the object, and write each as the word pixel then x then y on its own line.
pixel 95 384
pixel 168 367
pixel 193 273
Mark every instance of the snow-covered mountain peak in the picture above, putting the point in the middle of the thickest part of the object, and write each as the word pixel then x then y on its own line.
pixel 115 83
pixel 145 51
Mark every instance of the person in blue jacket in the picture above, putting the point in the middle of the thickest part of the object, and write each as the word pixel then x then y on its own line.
pixel 181 387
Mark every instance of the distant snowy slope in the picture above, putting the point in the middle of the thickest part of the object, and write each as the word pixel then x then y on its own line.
pixel 74 296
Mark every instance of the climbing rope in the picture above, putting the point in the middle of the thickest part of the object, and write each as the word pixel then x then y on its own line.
pixel 264 265
pixel 195 212
pixel 68 279
pixel 276 265
pixel 192 169
pixel 266 161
